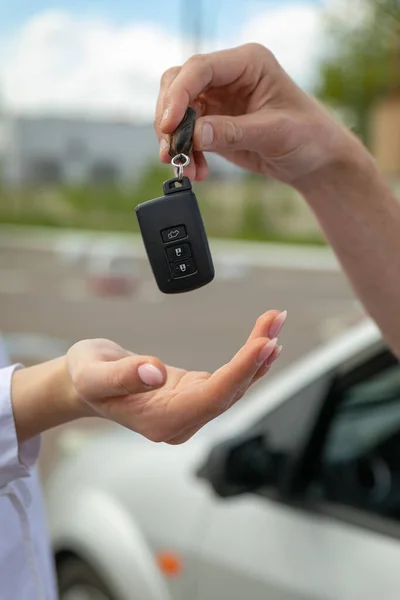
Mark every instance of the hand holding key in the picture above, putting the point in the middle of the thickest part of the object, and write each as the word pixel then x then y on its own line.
pixel 250 112
pixel 172 228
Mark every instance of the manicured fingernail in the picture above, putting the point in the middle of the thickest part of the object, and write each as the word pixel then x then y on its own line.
pixel 163 145
pixel 207 135
pixel 150 375
pixel 277 324
pixel 267 351
pixel 165 115
pixel 273 357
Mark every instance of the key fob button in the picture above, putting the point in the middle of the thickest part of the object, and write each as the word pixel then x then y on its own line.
pixel 174 233
pixel 182 269
pixel 175 239
pixel 178 253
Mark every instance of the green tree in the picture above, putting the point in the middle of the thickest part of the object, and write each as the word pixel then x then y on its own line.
pixel 363 61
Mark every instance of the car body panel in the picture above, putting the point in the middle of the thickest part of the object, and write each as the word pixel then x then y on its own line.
pixel 277 551
pixel 91 521
pixel 137 475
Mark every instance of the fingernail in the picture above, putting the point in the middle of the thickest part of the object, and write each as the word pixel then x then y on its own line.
pixel 277 324
pixel 150 375
pixel 163 145
pixel 165 115
pixel 207 135
pixel 267 351
pixel 273 357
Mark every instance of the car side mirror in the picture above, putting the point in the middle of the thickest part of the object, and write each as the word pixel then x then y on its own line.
pixel 241 465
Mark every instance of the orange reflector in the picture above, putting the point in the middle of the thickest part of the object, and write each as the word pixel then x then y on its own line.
pixel 169 563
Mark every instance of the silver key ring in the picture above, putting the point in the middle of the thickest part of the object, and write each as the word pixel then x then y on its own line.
pixel 184 161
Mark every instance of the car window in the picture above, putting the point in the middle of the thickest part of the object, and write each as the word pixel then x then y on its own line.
pixel 369 413
pixel 359 464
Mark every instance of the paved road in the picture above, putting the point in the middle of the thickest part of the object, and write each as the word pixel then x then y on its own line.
pixel 40 292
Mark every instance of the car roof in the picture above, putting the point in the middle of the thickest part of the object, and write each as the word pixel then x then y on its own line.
pixel 266 397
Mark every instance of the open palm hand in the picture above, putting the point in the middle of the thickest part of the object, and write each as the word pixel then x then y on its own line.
pixel 161 402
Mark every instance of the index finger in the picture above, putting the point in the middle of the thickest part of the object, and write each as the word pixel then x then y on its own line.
pixel 166 81
pixel 201 72
pixel 217 393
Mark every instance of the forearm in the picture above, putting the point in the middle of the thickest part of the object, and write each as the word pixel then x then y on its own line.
pixel 43 397
pixel 361 219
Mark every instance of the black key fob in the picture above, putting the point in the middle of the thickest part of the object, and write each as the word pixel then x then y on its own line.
pixel 175 239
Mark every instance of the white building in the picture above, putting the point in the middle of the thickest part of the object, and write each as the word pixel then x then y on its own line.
pixel 51 150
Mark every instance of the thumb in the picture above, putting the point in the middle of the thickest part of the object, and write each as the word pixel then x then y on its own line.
pixel 126 376
pixel 225 133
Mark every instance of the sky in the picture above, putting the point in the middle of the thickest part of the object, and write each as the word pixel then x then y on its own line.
pixel 106 57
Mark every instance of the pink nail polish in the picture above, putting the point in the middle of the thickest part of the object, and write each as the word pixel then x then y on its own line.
pixel 267 351
pixel 277 324
pixel 150 375
pixel 274 356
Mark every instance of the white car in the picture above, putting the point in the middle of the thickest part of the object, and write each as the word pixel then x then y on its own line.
pixel 292 495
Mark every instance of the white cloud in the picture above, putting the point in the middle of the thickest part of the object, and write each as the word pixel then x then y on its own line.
pixel 63 62
pixel 57 61
pixel 294 33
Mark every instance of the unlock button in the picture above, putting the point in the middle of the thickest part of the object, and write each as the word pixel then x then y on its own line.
pixel 181 252
pixel 183 268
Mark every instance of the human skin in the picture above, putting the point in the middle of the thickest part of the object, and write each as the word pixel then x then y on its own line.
pixel 251 112
pixel 163 403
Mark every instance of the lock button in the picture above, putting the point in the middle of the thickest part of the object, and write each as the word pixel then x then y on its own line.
pixel 178 253
pixel 174 233
pixel 182 269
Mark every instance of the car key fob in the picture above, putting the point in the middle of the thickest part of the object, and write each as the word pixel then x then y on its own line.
pixel 175 239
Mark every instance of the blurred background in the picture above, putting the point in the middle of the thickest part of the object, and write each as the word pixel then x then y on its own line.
pixel 78 87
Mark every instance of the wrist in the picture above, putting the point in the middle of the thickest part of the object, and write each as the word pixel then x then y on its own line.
pixel 70 405
pixel 349 166
pixel 44 397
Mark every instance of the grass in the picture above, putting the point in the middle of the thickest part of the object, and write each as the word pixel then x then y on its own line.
pixel 248 209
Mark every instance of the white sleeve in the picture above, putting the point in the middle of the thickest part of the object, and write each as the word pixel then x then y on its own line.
pixel 16 460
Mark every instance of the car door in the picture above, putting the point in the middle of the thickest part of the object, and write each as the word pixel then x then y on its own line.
pixel 308 537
